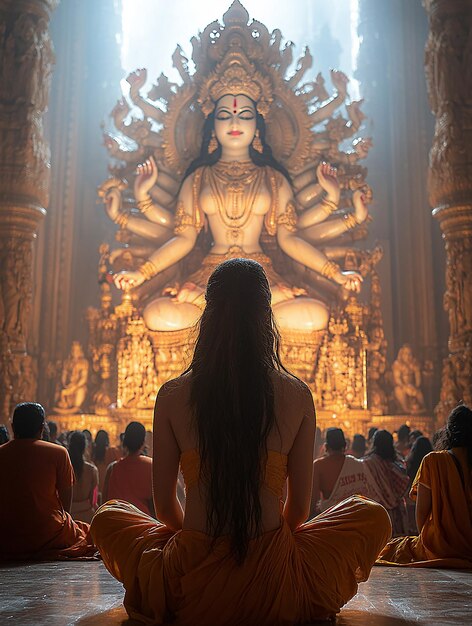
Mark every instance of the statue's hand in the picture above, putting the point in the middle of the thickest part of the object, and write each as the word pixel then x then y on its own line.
pixel 340 81
pixel 360 208
pixel 112 201
pixel 128 280
pixel 351 281
pixel 328 179
pixel 136 80
pixel 362 147
pixel 146 178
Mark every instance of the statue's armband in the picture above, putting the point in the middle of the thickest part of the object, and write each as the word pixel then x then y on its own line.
pixel 288 218
pixel 182 218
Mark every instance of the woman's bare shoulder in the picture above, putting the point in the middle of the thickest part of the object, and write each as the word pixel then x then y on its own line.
pixel 291 386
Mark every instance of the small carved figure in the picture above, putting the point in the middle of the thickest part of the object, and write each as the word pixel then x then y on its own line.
pixel 74 381
pixel 407 382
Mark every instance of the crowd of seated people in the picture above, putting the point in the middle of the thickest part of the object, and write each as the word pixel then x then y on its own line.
pixel 261 517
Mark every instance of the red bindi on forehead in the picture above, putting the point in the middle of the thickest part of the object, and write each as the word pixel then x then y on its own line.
pixel 235 105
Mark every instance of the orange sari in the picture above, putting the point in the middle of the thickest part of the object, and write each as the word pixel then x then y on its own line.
pixel 446 538
pixel 287 577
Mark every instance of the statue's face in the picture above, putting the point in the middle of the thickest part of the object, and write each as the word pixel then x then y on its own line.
pixel 235 121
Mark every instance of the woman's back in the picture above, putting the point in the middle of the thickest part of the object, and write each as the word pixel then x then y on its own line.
pixel 293 406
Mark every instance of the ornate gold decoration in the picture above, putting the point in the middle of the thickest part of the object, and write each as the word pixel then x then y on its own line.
pixel 351 221
pixel 235 75
pixel 122 219
pixel 148 270
pixel 330 270
pixel 145 205
pixel 137 376
pixel 407 382
pixel 234 189
pixel 213 145
pixel 257 143
pixel 328 206
pixel 288 218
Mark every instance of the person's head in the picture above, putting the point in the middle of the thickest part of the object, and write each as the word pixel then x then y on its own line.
pixel 4 434
pixel 359 446
pixel 133 439
pixel 28 420
pixel 219 125
pixel 335 440
pixel 371 433
pixel 382 445
pixel 102 441
pixel 88 436
pixel 458 431
pixel 52 430
pixel 413 436
pixel 403 433
pixel 232 396
pixel 421 447
pixel 77 444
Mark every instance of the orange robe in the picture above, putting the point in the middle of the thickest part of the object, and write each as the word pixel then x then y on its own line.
pixel 111 454
pixel 33 523
pixel 131 480
pixel 287 577
pixel 446 538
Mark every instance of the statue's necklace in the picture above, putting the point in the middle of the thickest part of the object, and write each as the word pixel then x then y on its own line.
pixel 234 188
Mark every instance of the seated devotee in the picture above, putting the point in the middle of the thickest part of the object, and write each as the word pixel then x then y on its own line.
pixel 402 444
pixel 239 425
pixel 130 478
pixel 85 491
pixel 338 475
pixel 421 447
pixel 413 436
pixel 359 446
pixel 37 478
pixel 389 473
pixel 370 437
pixel 102 455
pixel 52 426
pixel 443 492
pixel 88 445
pixel 4 435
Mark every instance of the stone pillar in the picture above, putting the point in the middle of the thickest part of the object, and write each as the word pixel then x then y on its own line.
pixel 448 63
pixel 26 60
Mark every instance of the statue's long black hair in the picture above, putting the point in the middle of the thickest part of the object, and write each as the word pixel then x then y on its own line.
pixel 232 397
pixel 258 158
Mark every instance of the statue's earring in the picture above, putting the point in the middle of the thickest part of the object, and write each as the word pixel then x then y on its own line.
pixel 213 145
pixel 257 143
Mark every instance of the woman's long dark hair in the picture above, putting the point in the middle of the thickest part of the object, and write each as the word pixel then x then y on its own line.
pixel 232 397
pixel 458 431
pixel 420 449
pixel 102 441
pixel 77 444
pixel 258 158
pixel 382 444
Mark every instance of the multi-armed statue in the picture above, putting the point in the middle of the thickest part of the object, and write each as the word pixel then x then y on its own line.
pixel 242 161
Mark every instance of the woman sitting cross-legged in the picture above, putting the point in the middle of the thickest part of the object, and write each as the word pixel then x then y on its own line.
pixel 443 493
pixel 240 426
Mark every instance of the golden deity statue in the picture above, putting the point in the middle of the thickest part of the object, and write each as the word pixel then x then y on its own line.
pixel 74 378
pixel 242 159
pixel 407 382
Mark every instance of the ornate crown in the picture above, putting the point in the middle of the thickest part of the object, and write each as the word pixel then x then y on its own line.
pixel 235 76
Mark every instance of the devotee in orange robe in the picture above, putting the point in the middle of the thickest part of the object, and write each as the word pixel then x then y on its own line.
pixel 37 478
pixel 443 492
pixel 130 478
pixel 239 426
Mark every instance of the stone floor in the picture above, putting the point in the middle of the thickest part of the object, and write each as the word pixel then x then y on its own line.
pixel 59 594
